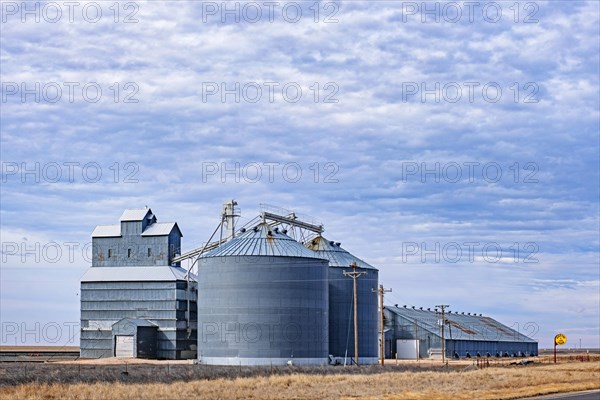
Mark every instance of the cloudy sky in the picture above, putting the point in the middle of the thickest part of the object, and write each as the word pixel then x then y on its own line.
pixel 454 147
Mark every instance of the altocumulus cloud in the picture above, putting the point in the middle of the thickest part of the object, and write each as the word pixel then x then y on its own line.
pixel 411 163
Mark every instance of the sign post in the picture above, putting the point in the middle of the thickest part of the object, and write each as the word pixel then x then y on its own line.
pixel 559 340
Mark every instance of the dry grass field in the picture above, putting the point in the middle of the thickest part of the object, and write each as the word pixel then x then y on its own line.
pixel 508 382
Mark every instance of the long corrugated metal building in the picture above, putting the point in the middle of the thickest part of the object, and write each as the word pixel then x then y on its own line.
pixel 262 299
pixel 341 300
pixel 133 294
pixel 416 331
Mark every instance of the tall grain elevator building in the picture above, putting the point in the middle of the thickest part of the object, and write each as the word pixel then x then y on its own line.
pixel 135 302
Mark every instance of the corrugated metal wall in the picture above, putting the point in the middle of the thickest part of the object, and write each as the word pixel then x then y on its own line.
pixel 256 310
pixel 161 250
pixel 341 317
pixel 403 328
pixel 107 298
pixel 462 347
pixel 163 303
pixel 144 333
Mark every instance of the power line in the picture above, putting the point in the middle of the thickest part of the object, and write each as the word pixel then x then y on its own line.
pixel 355 275
pixel 443 308
pixel 381 291
pixel 348 332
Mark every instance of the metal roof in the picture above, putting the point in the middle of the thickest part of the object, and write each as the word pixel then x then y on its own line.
pixel 107 231
pixel 135 214
pixel 461 326
pixel 337 256
pixel 156 229
pixel 160 229
pixel 262 240
pixel 136 322
pixel 124 274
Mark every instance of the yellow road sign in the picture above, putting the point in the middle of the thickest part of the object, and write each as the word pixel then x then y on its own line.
pixel 560 339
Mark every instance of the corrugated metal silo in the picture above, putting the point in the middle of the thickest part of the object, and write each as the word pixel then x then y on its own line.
pixel 262 299
pixel 341 323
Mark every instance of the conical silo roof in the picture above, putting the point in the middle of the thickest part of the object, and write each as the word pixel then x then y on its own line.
pixel 337 256
pixel 263 240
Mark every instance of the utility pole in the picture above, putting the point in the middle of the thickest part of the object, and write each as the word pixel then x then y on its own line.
pixel 354 275
pixel 381 291
pixel 443 308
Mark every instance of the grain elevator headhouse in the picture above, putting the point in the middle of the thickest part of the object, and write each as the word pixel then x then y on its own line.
pixel 136 301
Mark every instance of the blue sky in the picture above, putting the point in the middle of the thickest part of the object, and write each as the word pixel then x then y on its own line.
pixel 388 152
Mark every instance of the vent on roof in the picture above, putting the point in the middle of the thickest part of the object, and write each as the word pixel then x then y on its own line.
pixel 270 233
pixel 338 244
pixel 284 231
pixel 413 307
pixel 421 308
pixel 314 242
pixel 404 306
pixel 276 229
pixel 396 305
pixel 255 229
pixel 243 230
pixel 428 309
pixel 332 242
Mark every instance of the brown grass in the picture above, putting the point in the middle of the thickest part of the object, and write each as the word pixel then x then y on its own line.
pixel 491 383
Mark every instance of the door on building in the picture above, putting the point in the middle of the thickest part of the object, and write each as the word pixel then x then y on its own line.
pixel 407 349
pixel 124 346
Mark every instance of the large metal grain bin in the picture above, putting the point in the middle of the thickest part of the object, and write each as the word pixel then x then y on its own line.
pixel 262 300
pixel 341 322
